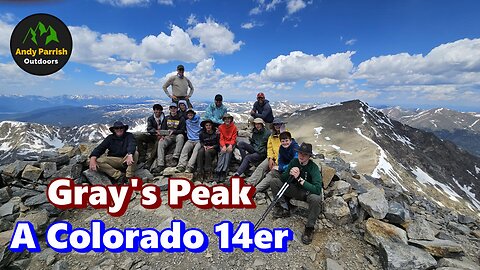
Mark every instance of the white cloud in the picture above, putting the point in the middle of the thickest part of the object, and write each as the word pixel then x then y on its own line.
pixel 272 5
pixel 350 42
pixel 300 66
pixel 295 5
pixel 215 38
pixel 248 25
pixel 5 33
pixel 166 2
pixel 8 17
pixel 192 19
pixel 124 3
pixel 452 63
pixel 255 11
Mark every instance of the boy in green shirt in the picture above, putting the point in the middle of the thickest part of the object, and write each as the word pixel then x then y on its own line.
pixel 305 185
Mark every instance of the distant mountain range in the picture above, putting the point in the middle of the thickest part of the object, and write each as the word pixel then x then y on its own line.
pixel 461 128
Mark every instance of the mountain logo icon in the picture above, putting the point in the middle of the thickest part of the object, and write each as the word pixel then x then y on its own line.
pixel 41 30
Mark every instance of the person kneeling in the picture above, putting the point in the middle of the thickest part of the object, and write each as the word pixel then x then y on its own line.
pixel 305 184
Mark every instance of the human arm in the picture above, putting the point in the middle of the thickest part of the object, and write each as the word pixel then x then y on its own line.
pixel 167 84
pixel 315 184
pixel 190 85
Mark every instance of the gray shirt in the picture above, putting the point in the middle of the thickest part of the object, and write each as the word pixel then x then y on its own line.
pixel 179 86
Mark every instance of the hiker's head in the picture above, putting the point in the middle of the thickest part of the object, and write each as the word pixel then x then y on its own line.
pixel 190 113
pixel 227 119
pixel 173 109
pixel 304 153
pixel 118 128
pixel 261 98
pixel 182 104
pixel 259 123
pixel 218 100
pixel 277 125
pixel 285 139
pixel 157 110
pixel 208 126
pixel 180 71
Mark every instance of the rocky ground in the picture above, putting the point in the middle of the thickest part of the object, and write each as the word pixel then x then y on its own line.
pixel 367 223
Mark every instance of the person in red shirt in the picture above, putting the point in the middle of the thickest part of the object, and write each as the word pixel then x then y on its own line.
pixel 228 139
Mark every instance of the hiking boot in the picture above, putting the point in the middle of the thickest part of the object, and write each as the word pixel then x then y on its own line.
pixel 189 170
pixel 280 212
pixel 175 160
pixel 180 169
pixel 221 177
pixel 198 176
pixel 158 170
pixel 307 235
pixel 121 180
pixel 208 177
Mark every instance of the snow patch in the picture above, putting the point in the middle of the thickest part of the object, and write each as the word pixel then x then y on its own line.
pixel 433 123
pixel 425 179
pixel 477 170
pixel 318 131
pixel 438 110
pixel 327 138
pixel 353 164
pixel 471 126
pixel 470 194
pixel 336 147
pixel 326 105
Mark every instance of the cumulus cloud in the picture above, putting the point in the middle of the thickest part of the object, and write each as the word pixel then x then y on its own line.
pixel 5 33
pixel 291 6
pixel 250 25
pixel 124 3
pixel 192 19
pixel 295 5
pixel 300 66
pixel 350 42
pixel 215 38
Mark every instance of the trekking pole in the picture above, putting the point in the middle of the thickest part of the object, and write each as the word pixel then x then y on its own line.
pixel 275 199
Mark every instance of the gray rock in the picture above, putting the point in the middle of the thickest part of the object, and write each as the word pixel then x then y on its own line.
pixel 458 228
pixel 397 214
pixel 332 265
pixel 5 194
pixel 59 160
pixel 78 159
pixel 126 264
pixel 72 171
pixel 465 219
pixel 419 229
pixel 6 209
pixel 23 193
pixel 340 188
pixel 374 203
pixel 169 171
pixel 354 207
pixel 377 232
pixel 49 168
pixel 338 164
pixel 327 175
pixel 144 174
pixel 463 264
pixel 259 262
pixel 396 256
pixel 31 173
pixel 15 169
pixel 60 265
pixel 162 182
pixel 444 236
pixel 37 199
pixel 52 210
pixel 333 249
pixel 19 264
pixel 360 185
pixel 68 150
pixel 439 247
pixel 336 210
pixel 39 220
pixel 96 178
pixel 6 255
pixel 5 225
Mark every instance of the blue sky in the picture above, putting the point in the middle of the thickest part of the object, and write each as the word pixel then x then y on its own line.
pixel 408 53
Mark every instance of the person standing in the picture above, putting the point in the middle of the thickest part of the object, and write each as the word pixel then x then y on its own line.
pixel 180 85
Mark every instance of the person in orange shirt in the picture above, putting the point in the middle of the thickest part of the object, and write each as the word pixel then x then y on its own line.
pixel 228 139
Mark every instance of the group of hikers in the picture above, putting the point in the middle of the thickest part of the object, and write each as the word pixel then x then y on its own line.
pixel 200 141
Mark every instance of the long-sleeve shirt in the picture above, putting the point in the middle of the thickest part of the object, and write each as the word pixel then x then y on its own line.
pixel 273 145
pixel 116 146
pixel 263 111
pixel 285 155
pixel 175 123
pixel 209 139
pixel 152 124
pixel 228 134
pixel 215 113
pixel 179 86
pixel 310 173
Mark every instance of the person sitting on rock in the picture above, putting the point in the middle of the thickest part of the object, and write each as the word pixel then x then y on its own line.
pixel 215 111
pixel 182 109
pixel 305 184
pixel 256 150
pixel 176 127
pixel 121 154
pixel 287 152
pixel 207 152
pixel 261 109
pixel 193 143
pixel 147 143
pixel 227 141
pixel 273 145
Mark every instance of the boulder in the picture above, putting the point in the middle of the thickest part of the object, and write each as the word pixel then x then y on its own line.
pixel 31 173
pixel 6 255
pixel 360 185
pixel 397 214
pixel 169 171
pixel 12 206
pixel 374 202
pixel 5 194
pixel 464 264
pixel 332 265
pixel 398 256
pixel 377 232
pixel 144 174
pixel 40 220
pixel 439 247
pixel 327 175
pixel 59 160
pixel 458 228
pixel 79 159
pixel 162 182
pixel 15 169
pixel 96 178
pixel 336 210
pixel 465 219
pixel 37 199
pixel 340 188
pixel 70 151
pixel 5 225
pixel 23 192
pixel 49 168
pixel 419 229
pixel 72 171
